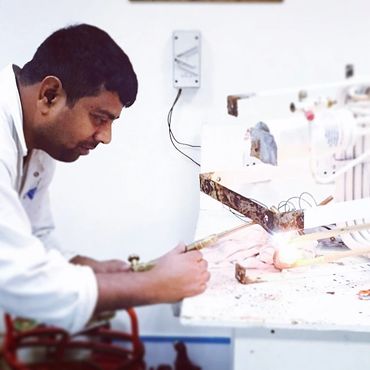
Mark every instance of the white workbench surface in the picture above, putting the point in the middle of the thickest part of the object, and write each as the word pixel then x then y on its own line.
pixel 292 324
pixel 258 314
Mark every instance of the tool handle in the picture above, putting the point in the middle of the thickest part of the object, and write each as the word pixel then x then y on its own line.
pixel 202 243
pixel 213 238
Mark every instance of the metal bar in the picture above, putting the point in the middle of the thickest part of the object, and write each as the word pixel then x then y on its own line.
pixel 270 220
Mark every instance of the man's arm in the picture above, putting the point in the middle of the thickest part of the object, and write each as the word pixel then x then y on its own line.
pixel 175 276
pixel 42 285
pixel 35 282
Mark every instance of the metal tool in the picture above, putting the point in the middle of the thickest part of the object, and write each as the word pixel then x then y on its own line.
pixel 196 245
pixel 139 266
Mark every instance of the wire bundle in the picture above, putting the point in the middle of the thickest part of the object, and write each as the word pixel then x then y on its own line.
pixel 173 139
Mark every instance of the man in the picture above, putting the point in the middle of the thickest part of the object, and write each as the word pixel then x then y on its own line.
pixel 61 105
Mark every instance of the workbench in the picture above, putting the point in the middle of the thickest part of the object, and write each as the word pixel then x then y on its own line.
pixel 314 321
pixel 311 310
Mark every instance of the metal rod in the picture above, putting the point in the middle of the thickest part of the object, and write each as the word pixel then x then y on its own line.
pixel 330 257
pixel 329 233
pixel 282 91
pixel 211 239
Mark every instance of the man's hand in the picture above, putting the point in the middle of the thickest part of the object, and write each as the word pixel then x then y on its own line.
pixel 109 266
pixel 177 275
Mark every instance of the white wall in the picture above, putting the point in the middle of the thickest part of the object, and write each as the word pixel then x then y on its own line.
pixel 138 194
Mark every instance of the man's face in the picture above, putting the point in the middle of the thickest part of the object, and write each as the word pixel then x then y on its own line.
pixel 68 132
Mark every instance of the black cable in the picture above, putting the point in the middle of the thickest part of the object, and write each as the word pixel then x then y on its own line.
pixel 171 134
pixel 169 119
pixel 238 215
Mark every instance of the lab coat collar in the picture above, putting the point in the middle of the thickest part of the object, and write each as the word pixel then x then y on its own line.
pixel 14 105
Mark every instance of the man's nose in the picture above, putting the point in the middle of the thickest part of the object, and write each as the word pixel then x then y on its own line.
pixel 104 134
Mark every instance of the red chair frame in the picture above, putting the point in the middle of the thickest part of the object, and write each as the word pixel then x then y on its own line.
pixel 101 345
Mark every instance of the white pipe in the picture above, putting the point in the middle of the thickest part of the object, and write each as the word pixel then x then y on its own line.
pixel 289 90
pixel 341 171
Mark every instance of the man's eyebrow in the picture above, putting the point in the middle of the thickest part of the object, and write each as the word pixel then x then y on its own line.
pixel 107 113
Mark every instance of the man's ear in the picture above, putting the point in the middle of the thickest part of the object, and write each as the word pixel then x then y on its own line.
pixel 51 93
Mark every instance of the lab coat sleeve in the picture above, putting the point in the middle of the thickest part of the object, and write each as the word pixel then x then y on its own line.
pixel 35 282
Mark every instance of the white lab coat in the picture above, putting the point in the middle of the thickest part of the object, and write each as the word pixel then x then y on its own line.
pixel 36 280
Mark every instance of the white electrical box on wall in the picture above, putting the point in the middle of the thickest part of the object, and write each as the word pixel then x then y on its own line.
pixel 186 58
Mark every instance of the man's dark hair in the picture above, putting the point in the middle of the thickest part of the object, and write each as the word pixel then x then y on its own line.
pixel 85 59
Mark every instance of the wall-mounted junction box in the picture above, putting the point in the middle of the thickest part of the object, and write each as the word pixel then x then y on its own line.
pixel 186 58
